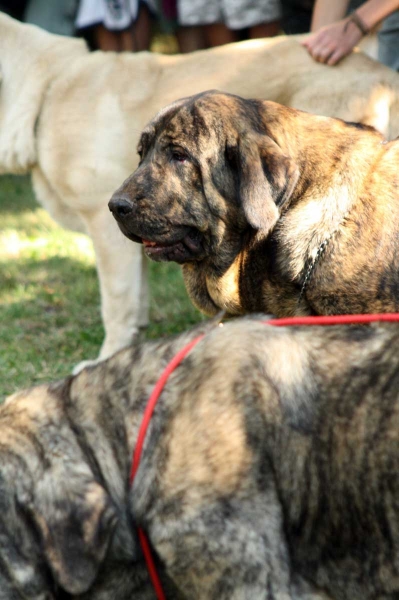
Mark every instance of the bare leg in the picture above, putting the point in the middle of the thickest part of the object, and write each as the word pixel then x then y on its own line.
pixel 127 41
pixel 218 34
pixel 142 30
pixel 106 40
pixel 264 30
pixel 190 39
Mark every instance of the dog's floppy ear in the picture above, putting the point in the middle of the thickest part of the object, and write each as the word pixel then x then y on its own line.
pixel 75 523
pixel 267 179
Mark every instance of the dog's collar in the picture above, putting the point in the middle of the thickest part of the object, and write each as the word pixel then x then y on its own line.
pixel 175 362
pixel 313 264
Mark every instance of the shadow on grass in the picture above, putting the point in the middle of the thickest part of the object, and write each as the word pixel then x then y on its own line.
pixel 64 278
pixel 16 194
pixel 50 316
pixel 49 295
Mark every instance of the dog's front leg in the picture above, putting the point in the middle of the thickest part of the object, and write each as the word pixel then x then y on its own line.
pixel 229 550
pixel 122 272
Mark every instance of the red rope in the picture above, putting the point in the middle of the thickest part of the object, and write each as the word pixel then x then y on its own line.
pixel 176 360
pixel 152 570
pixel 144 543
pixel 335 320
pixel 149 409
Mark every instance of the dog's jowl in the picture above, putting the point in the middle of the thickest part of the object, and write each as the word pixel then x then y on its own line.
pixel 276 478
pixel 267 208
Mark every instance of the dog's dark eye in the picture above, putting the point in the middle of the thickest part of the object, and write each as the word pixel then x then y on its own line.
pixel 179 156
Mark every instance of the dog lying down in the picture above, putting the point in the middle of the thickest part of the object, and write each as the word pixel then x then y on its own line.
pixel 270 470
pixel 72 119
pixel 267 208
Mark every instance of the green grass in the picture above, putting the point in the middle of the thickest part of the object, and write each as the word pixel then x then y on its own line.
pixel 49 297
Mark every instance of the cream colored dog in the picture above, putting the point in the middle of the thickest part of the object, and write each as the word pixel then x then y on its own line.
pixel 73 118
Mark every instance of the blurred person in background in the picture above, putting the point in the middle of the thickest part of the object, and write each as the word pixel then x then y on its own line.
pixel 335 35
pixel 225 21
pixel 116 25
pixel 55 17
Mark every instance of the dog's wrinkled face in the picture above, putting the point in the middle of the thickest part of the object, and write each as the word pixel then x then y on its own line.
pixel 208 173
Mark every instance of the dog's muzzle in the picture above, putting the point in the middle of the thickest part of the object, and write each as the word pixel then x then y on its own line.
pixel 180 243
pixel 120 206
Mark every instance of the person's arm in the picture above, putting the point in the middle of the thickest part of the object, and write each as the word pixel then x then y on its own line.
pixel 332 42
pixel 326 12
pixel 374 11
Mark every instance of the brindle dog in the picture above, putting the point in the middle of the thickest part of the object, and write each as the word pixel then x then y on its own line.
pixel 267 208
pixel 276 478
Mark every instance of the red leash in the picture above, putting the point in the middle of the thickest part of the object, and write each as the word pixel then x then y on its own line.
pixel 177 359
pixel 145 546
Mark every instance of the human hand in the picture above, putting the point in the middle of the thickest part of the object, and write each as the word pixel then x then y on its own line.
pixel 333 42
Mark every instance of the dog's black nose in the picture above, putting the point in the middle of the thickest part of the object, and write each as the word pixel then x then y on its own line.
pixel 120 206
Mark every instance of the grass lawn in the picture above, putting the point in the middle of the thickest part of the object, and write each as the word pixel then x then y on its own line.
pixel 49 297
